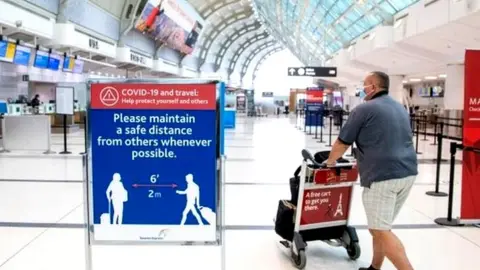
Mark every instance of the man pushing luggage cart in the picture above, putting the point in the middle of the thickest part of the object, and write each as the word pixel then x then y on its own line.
pixel 322 210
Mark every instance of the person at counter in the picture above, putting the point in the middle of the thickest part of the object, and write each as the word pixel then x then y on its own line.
pixel 35 101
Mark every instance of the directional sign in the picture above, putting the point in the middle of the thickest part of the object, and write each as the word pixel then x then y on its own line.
pixel 312 71
pixel 153 162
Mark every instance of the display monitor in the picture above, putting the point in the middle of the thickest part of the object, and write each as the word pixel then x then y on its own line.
pixel 41 59
pixel 22 55
pixel 68 64
pixel 7 51
pixel 54 61
pixel 437 91
pixel 424 91
pixel 78 66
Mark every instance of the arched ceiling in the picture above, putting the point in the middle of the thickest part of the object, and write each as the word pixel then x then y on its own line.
pixel 232 33
pixel 315 29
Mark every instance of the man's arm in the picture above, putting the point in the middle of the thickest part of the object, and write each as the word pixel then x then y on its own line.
pixel 348 135
pixel 181 192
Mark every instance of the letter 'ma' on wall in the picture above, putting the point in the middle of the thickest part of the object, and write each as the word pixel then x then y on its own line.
pixel 474 101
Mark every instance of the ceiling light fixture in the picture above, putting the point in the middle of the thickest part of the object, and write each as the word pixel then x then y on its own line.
pixel 415 80
pixel 372 36
pixel 442 75
pixel 431 78
pixel 404 81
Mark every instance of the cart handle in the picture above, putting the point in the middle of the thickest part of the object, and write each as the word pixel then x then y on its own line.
pixel 307 156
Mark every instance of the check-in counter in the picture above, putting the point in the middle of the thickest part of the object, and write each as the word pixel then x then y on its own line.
pixel 26 133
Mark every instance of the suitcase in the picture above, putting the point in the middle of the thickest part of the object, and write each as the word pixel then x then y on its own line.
pixel 208 215
pixel 105 217
pixel 284 222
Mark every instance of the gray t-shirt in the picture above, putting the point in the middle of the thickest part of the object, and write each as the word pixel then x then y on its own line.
pixel 381 131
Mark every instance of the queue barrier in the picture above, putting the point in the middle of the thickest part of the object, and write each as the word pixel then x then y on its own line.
pixel 145 147
pixel 449 220
pixel 27 133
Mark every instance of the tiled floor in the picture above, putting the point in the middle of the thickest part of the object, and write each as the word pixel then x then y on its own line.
pixel 42 212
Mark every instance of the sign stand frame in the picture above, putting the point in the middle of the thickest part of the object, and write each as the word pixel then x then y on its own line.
pixel 89 241
pixel 65 118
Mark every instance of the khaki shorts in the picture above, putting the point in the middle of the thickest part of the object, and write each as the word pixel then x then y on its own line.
pixel 383 201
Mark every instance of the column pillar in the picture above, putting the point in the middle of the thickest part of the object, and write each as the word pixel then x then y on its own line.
pixel 454 87
pixel 396 89
pixel 453 95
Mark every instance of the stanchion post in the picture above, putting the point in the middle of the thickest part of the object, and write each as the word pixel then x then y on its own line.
pixel 425 124
pixel 449 221
pixel 437 192
pixel 330 131
pixel 435 124
pixel 316 124
pixel 84 134
pixel 417 137
pixel 321 129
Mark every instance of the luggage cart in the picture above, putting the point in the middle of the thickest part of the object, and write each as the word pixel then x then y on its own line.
pixel 323 209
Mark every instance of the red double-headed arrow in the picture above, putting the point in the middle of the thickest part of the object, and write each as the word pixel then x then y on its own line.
pixel 154 185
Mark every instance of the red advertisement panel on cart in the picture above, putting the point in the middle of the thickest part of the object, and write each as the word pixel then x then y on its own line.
pixel 321 205
pixel 470 206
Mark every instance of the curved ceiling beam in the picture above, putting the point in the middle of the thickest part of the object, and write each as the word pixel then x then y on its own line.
pixel 218 29
pixel 214 7
pixel 243 47
pixel 264 58
pixel 233 38
pixel 254 53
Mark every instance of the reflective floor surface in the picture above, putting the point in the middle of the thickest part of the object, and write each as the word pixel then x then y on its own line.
pixel 41 213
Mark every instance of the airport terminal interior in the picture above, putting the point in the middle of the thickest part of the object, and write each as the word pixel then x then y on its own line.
pixel 202 184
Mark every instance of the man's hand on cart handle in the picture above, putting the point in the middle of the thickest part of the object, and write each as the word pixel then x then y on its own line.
pixel 330 163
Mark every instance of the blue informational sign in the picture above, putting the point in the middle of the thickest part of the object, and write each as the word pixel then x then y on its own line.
pixel 153 159
pixel 22 56
pixel 314 107
pixel 41 59
pixel 54 62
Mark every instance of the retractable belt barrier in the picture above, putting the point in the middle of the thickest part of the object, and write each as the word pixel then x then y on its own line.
pixel 449 220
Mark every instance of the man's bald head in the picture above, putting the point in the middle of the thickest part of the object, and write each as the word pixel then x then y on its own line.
pixel 380 80
pixel 375 82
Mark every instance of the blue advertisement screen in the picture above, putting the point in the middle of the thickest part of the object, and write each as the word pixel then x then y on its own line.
pixel 41 59
pixel 54 62
pixel 22 56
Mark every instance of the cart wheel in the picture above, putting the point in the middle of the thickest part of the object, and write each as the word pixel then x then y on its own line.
pixel 354 251
pixel 300 260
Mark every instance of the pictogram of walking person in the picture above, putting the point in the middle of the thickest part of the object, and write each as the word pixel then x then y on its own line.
pixel 193 200
pixel 117 195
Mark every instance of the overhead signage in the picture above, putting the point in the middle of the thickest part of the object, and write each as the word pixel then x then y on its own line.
pixel 138 59
pixel 267 94
pixel 312 71
pixel 93 44
pixel 154 155
pixel 167 22
pixel 7 51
